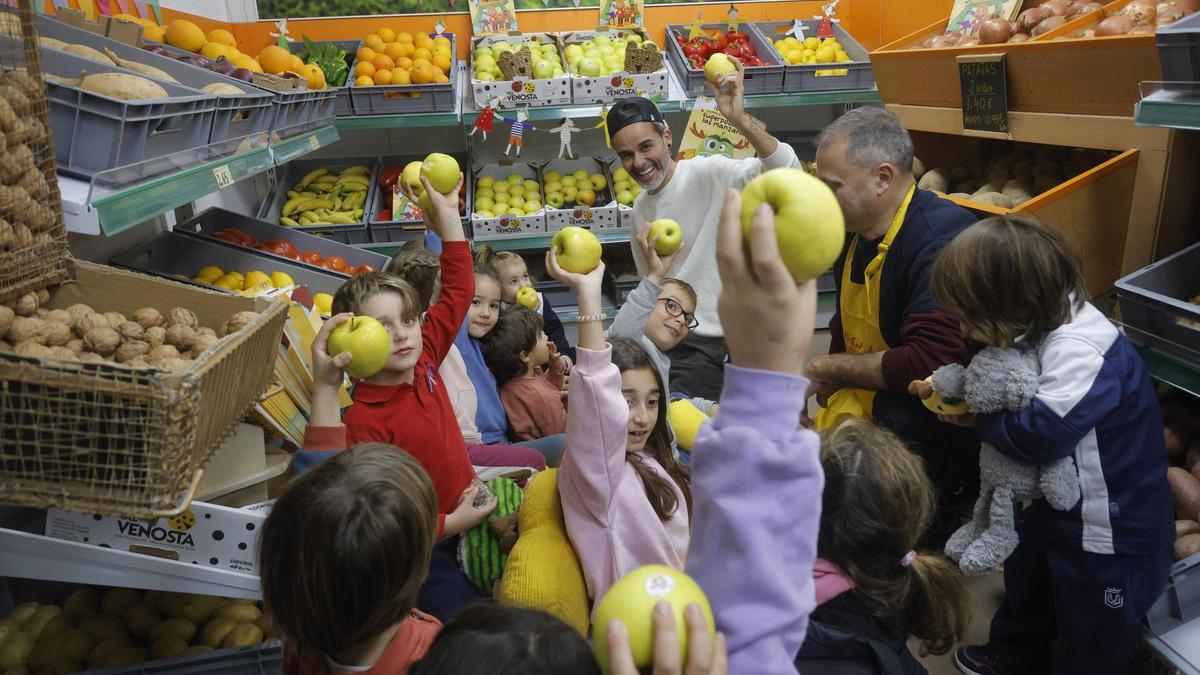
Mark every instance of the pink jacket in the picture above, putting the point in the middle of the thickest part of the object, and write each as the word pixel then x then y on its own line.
pixel 608 517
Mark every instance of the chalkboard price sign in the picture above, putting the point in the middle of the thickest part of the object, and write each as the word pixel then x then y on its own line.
pixel 984 83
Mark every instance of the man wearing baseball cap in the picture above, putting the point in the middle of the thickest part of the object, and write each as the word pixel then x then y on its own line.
pixel 691 192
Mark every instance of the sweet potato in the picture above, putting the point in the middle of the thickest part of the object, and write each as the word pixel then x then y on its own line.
pixel 1186 491
pixel 124 87
pixel 1187 545
pixel 88 53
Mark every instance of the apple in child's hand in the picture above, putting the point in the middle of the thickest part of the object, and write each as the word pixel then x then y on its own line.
pixel 669 233
pixel 577 249
pixel 718 65
pixel 412 177
pixel 368 343
pixel 527 297
pixel 631 601
pixel 808 220
pixel 442 172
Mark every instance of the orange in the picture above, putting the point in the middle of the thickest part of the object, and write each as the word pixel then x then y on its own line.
pixel 387 34
pixel 394 50
pixel 315 76
pixel 275 59
pixel 365 54
pixel 364 81
pixel 383 76
pixel 223 36
pixel 440 77
pixel 422 74
pixel 442 41
pixel 404 37
pixel 441 63
pixel 424 63
pixel 401 77
pixel 404 63
pixel 373 41
pixel 296 65
pixel 423 40
pixel 444 51
pixel 422 53
pixel 382 62
pixel 364 69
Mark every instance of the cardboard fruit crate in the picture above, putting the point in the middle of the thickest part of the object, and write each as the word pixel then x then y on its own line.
pixel 820 77
pixel 1090 208
pixel 1098 76
pixel 500 227
pixel 271 208
pixel 600 215
pixel 520 91
pixel 587 90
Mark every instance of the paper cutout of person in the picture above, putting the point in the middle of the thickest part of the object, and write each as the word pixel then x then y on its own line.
pixel 564 130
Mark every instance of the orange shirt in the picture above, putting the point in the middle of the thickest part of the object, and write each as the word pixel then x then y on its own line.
pixel 407 646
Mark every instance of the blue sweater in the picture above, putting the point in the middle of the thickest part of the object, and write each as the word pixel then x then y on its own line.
pixel 489 415
pixel 1095 403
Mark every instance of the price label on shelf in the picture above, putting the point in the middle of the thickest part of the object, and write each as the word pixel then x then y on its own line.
pixel 984 82
pixel 223 175
pixel 313 142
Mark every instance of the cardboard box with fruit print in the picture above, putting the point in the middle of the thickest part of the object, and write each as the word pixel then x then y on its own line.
pixel 523 69
pixel 608 64
pixel 579 192
pixel 500 201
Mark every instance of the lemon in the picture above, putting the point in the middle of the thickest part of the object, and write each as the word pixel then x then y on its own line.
pixel 238 276
pixel 254 279
pixel 209 273
pixel 323 302
pixel 281 279
pixel 229 282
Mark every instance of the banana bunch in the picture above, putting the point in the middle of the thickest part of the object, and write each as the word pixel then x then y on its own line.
pixel 325 198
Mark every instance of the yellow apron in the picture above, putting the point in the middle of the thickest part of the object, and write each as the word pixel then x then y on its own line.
pixel 858 305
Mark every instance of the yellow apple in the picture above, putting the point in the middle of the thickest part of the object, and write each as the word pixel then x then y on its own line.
pixel 718 65
pixel 808 221
pixel 577 249
pixel 368 343
pixel 323 302
pixel 527 297
pixel 442 172
pixel 669 233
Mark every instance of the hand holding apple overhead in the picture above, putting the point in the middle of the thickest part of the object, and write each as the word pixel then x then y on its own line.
pixel 587 287
pixel 649 241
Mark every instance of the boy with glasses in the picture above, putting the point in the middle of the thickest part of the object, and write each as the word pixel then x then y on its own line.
pixel 659 313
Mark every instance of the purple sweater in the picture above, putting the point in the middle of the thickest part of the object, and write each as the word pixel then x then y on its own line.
pixel 756 494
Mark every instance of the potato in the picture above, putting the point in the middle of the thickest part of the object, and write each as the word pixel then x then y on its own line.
pixel 61 667
pixel 1186 492
pixel 216 631
pixel 918 168
pixel 37 622
pixel 937 180
pixel 182 628
pixel 1176 440
pixel 197 649
pixel 168 647
pixel 121 656
pixel 17 671
pixel 201 608
pixel 107 645
pixel 243 635
pixel 102 626
pixel 223 89
pixel 1185 527
pixel 993 198
pixel 7 628
pixel 239 613
pixel 140 618
pixel 122 86
pixel 172 604
pixel 267 626
pixel 1187 545
pixel 15 652
pixel 117 600
pixel 959 174
pixel 74 644
pixel 24 612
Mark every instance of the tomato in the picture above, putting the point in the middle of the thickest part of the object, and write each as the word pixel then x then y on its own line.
pixel 235 236
pixel 364 268
pixel 311 257
pixel 389 176
pixel 384 216
pixel 279 247
pixel 338 263
pixel 330 267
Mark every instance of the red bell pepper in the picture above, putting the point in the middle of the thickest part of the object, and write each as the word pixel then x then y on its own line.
pixel 279 247
pixel 389 176
pixel 719 40
pixel 693 50
pixel 235 236
pixel 311 257
pixel 735 36
pixel 364 268
pixel 384 216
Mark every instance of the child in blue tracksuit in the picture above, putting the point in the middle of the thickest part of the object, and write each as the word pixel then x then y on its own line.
pixel 1089 574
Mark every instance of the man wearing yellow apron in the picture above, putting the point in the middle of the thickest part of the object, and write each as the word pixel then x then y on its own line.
pixel 887 331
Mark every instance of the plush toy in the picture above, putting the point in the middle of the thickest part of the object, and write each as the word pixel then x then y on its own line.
pixel 483 550
pixel 685 420
pixel 997 380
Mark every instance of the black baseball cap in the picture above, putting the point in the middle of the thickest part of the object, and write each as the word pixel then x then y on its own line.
pixel 627 111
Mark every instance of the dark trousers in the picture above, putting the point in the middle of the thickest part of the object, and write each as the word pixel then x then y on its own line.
pixel 447 588
pixel 698 366
pixel 1093 602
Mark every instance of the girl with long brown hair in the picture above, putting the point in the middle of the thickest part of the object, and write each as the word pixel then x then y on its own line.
pixel 626 497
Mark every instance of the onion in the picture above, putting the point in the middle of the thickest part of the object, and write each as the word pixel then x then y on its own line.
pixel 953 37
pixel 1117 24
pixel 928 42
pixel 940 42
pixel 1085 8
pixel 994 31
pixel 243 74
pixel 1019 37
pixel 156 49
pixel 1056 7
pixel 1142 29
pixel 1048 25
pixel 1168 16
pixel 223 66
pixel 1028 19
pixel 1140 12
pixel 968 41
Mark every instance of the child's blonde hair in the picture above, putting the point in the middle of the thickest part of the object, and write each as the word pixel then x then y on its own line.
pixel 351 295
pixel 1009 277
pixel 418 266
pixel 876 505
pixel 495 259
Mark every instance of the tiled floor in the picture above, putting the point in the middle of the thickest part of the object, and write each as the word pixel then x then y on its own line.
pixel 986 594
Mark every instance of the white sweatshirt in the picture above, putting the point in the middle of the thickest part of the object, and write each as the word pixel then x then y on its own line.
pixel 694 196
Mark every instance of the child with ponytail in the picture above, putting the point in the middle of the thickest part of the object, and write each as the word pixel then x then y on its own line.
pixel 513 275
pixel 873 589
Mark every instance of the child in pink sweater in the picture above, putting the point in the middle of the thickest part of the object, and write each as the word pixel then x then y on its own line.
pixel 626 498
pixel 530 373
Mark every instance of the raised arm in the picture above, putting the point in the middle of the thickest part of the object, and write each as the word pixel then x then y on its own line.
pixel 444 318
pixel 631 318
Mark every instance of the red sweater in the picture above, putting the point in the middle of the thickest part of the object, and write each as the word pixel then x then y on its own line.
pixel 418 417
pixel 407 647
pixel 534 405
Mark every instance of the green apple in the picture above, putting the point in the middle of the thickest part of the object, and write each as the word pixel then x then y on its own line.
pixel 567 181
pixel 368 342
pixel 603 40
pixel 517 190
pixel 485 192
pixel 530 185
pixel 588 67
pixel 569 194
pixel 442 172
pixel 499 206
pixel 484 63
pixel 651 43
pixel 555 199
pixel 484 203
pixel 484 51
pixel 532 206
pixel 488 181
pixel 631 601
pixel 527 297
pixel 620 185
pixel 485 77
pixel 558 70
pixel 543 69
pixel 580 175
pixel 553 186
pixel 718 65
pixel 412 177
pixel 574 50
pixel 484 214
pixel 501 188
pixel 515 211
pixel 552 176
pixel 424 203
pixel 516 200
pixel 808 220
pixel 578 250
pixel 669 233
pixel 585 197
pixel 514 179
pixel 625 197
pixel 598 181
pixel 621 174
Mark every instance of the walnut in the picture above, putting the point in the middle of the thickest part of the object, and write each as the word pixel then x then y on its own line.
pixel 173 364
pixel 162 352
pixel 148 317
pixel 91 357
pixel 179 315
pixel 86 323
pixel 6 319
pixel 203 342
pixel 22 235
pixel 43 296
pixel 58 316
pixel 27 305
pixel 156 335
pixel 237 322
pixel 75 345
pixel 131 349
pixel 205 330
pixel 131 330
pixel 57 334
pixel 103 341
pixel 61 353
pixel 5 348
pixel 115 319
pixel 180 336
pixel 32 349
pixel 79 310
pixel 138 362
pixel 25 329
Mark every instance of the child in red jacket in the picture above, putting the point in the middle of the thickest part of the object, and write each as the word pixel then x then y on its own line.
pixel 406 403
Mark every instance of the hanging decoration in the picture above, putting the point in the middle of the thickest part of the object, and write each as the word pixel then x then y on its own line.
pixel 157 12
pixel 103 8
pixel 732 21
pixel 143 9
pixel 516 131
pixel 696 28
pixel 483 122
pixel 564 131
pixel 825 29
pixel 439 26
pixel 797 30
pixel 281 34
pixel 603 124
pixel 89 9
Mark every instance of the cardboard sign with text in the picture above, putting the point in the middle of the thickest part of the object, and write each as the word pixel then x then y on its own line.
pixel 709 134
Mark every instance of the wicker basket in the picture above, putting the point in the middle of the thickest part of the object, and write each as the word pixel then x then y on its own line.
pixel 102 437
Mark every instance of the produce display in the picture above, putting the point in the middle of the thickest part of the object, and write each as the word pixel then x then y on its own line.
pixel 106 628
pixel 579 188
pixel 700 49
pixel 534 59
pixel 1138 18
pixel 1008 177
pixel 387 57
pixel 322 197
pixel 221 64
pixel 236 281
pixel 145 339
pixel 210 275
pixel 601 56
pixel 331 59
pixel 1181 432
pixel 513 195
pixel 24 220
pixel 811 50
pixel 387 180
pixel 625 188
pixel 217 48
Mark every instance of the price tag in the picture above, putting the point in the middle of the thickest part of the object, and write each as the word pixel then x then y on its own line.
pixel 223 175
pixel 984 82
pixel 313 142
